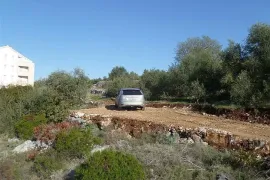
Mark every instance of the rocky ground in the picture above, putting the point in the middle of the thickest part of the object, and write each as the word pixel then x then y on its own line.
pixel 186 118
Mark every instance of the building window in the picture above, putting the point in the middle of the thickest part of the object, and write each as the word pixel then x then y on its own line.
pixel 23 80
pixel 23 68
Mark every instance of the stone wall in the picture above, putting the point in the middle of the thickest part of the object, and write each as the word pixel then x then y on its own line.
pixel 214 137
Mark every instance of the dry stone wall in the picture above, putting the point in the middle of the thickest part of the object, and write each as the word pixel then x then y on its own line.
pixel 214 137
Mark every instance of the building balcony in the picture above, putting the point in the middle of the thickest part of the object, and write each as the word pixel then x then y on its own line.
pixel 23 71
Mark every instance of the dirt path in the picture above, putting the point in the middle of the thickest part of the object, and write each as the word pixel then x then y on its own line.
pixel 189 119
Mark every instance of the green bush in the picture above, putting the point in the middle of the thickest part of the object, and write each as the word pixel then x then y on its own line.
pixel 75 142
pixel 197 91
pixel 110 164
pixel 154 83
pixel 25 127
pixel 120 82
pixel 70 87
pixel 56 109
pixel 53 96
pixel 46 163
pixel 12 106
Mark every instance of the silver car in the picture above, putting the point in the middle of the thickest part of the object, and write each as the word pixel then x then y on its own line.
pixel 130 97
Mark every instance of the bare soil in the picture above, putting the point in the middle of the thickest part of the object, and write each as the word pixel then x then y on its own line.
pixel 188 119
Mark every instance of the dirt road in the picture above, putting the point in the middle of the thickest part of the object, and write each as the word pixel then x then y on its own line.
pixel 188 119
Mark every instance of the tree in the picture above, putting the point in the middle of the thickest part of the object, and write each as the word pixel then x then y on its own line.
pixel 94 81
pixel 258 44
pixel 118 71
pixel 70 87
pixel 197 91
pixel 195 44
pixel 118 83
pixel 232 64
pixel 134 76
pixel 154 83
pixel 232 58
pixel 258 52
pixel 177 81
pixel 205 67
pixel 197 59
pixel 242 91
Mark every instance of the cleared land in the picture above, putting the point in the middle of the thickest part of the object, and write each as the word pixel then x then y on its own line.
pixel 188 119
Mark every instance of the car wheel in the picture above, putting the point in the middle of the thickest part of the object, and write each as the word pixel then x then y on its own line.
pixel 143 108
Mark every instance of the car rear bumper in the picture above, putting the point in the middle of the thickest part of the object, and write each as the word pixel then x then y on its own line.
pixel 131 104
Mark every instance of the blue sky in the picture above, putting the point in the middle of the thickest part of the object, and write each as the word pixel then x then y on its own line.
pixel 97 35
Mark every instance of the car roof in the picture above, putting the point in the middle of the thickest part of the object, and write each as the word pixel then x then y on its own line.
pixel 130 89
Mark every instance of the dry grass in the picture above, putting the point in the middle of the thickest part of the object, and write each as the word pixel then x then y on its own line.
pixel 179 161
pixel 161 159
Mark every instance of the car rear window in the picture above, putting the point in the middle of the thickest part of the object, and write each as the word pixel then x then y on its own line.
pixel 132 92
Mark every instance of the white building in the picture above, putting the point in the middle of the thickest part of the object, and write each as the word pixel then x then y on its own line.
pixel 15 69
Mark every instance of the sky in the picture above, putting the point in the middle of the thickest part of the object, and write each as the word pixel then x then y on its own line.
pixel 97 35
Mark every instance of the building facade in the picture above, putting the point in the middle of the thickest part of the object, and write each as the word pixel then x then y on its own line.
pixel 15 69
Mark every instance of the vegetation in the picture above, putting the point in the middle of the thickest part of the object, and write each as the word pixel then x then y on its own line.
pixel 52 96
pixel 45 164
pixel 120 78
pixel 110 164
pixel 25 127
pixel 203 72
pixel 154 156
pixel 75 143
pixel 163 159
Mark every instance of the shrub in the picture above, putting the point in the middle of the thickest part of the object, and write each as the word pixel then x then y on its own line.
pixel 243 92
pixel 243 159
pixel 47 132
pixel 12 106
pixel 116 84
pixel 70 87
pixel 154 83
pixel 110 164
pixel 75 142
pixel 197 91
pixel 25 127
pixel 7 170
pixel 45 164
pixel 56 107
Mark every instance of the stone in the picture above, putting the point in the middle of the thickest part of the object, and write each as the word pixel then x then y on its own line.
pixel 183 140
pixel 99 148
pixel 13 140
pixel 30 145
pixel 79 114
pixel 24 147
pixel 42 145
pixel 202 129
pixel 205 143
pixel 190 141
pixel 106 121
pixel 77 119
pixel 221 177
pixel 123 144
pixel 196 138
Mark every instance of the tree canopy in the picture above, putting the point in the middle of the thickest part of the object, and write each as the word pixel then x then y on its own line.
pixel 203 71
